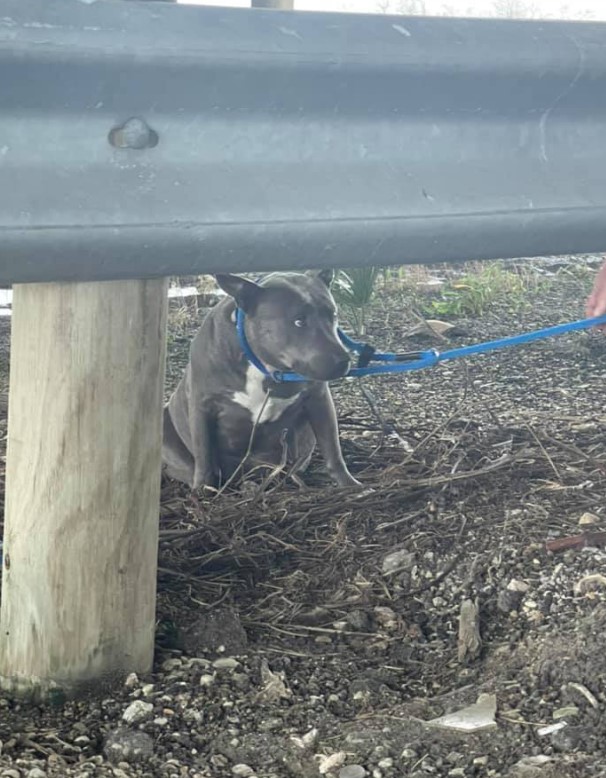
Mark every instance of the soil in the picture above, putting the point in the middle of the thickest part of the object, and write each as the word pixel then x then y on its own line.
pixel 306 631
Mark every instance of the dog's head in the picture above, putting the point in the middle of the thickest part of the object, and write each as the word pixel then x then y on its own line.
pixel 291 322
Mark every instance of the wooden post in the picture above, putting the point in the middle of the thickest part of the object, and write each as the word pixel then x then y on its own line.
pixel 283 5
pixel 82 484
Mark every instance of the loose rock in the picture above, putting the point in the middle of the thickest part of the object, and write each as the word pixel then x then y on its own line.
pixel 398 561
pixel 242 770
pixel 217 631
pixel 126 745
pixel 274 686
pixel 473 718
pixel 138 711
pixel 588 519
pixel 352 771
pixel 510 598
pixel 327 764
pixel 226 663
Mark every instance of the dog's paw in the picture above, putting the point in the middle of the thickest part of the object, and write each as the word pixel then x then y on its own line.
pixel 343 479
pixel 358 489
pixel 205 490
pixel 204 482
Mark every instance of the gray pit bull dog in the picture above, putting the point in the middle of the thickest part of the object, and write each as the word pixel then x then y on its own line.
pixel 291 325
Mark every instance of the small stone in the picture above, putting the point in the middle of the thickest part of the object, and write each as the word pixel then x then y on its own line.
pixel 452 757
pixel 242 770
pixel 385 764
pixel 274 685
pixel 330 762
pixel 137 712
pixel 398 562
pixel 126 745
pixel 217 631
pixel 457 772
pixel 226 663
pixel 10 773
pixel 148 689
pixel 132 681
pixel 518 586
pixel 199 661
pixel 171 664
pixel 509 599
pixel 531 767
pixel 474 718
pixel 207 680
pixel 352 771
pixel 588 519
pixel 480 761
pixel 36 772
pixel 408 754
pixel 161 721
pixel 386 617
pixel 306 741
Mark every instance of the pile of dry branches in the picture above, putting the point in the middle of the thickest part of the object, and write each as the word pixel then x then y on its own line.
pixel 301 545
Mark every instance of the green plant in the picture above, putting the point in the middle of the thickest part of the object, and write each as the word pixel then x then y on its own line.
pixel 579 273
pixel 353 291
pixel 474 293
pixel 399 277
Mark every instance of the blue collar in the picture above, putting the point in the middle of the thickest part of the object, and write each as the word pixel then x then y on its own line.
pixel 276 375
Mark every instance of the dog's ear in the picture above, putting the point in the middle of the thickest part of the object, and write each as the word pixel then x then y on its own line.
pixel 246 293
pixel 326 275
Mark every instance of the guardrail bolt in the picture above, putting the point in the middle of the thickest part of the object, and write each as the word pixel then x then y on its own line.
pixel 133 134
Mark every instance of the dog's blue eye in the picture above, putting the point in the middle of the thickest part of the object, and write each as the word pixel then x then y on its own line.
pixel 299 322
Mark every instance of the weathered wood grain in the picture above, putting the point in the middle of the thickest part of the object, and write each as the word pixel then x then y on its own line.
pixel 83 480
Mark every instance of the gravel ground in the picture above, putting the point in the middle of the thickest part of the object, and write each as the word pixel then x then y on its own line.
pixel 302 632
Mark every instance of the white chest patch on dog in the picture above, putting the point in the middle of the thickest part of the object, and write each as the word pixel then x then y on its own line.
pixel 253 399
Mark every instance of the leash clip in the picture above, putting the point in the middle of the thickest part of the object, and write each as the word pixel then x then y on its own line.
pixel 366 355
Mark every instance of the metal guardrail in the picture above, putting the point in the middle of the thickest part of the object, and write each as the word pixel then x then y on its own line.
pixel 266 140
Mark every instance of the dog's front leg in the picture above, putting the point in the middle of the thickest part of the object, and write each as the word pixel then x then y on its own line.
pixel 322 416
pixel 204 469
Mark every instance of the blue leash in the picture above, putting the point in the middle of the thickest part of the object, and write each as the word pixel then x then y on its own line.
pixel 417 360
